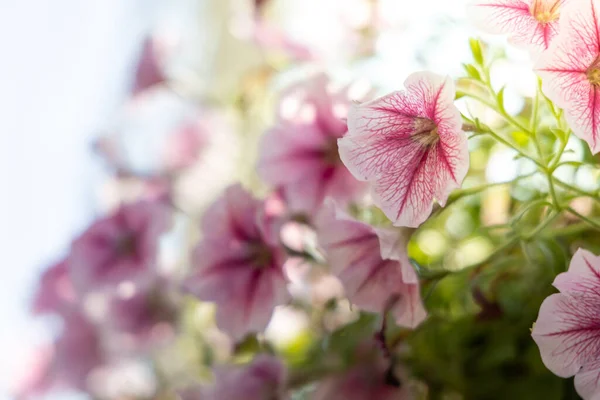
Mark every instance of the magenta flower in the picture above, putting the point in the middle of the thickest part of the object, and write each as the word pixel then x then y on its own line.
pixel 300 154
pixel 78 351
pixel 531 24
pixel 147 314
pixel 55 293
pixel 568 327
pixel 238 264
pixel 149 71
pixel 119 247
pixel 372 265
pixel 409 146
pixel 570 69
pixel 263 379
pixel 372 377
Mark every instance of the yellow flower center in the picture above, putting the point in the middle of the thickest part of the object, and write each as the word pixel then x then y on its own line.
pixel 426 132
pixel 545 11
pixel 593 72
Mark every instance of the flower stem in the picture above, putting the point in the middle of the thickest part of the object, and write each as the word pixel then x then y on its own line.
pixel 590 222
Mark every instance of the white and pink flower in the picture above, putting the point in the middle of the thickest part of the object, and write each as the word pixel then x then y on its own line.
pixel 409 146
pixel 120 247
pixel 373 266
pixel 532 24
pixel 238 265
pixel 150 66
pixel 570 69
pixel 567 330
pixel 300 154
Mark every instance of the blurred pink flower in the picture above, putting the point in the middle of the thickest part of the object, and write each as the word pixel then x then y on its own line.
pixel 570 69
pixel 531 24
pixel 55 293
pixel 238 264
pixel 300 154
pixel 376 275
pixel 38 377
pixel 263 379
pixel 147 314
pixel 184 146
pixel 372 377
pixel 272 38
pixel 410 146
pixel 149 69
pixel 78 351
pixel 568 327
pixel 119 247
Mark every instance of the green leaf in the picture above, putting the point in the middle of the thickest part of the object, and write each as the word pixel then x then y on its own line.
pixel 472 72
pixel 500 99
pixel 475 45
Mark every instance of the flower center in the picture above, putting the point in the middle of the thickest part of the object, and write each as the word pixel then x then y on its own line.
pixel 125 246
pixel 545 12
pixel 425 132
pixel 260 255
pixel 331 154
pixel 593 72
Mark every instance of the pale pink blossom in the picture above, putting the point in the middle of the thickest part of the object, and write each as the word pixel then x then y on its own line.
pixel 377 277
pixel 120 247
pixel 149 69
pixel 531 24
pixel 238 265
pixel 372 377
pixel 55 293
pixel 299 154
pixel 570 69
pixel 409 145
pixel 568 327
pixel 263 379
pixel 79 351
pixel 146 314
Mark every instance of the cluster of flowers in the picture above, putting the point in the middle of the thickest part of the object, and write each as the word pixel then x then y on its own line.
pixel 325 155
pixel 564 39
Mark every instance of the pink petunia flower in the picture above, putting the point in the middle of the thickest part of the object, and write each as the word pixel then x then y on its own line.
pixel 409 146
pixel 55 293
pixel 373 266
pixel 79 351
pixel 532 24
pixel 568 327
pixel 238 264
pixel 146 314
pixel 300 154
pixel 570 69
pixel 263 379
pixel 120 247
pixel 372 377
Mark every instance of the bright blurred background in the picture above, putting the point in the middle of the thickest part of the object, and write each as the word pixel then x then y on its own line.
pixel 67 69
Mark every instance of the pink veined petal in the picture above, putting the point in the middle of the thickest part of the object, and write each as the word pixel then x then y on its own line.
pixel 587 381
pixel 409 311
pixel 393 243
pixel 289 153
pixel 232 215
pixel 370 281
pixel 405 174
pixel 583 274
pixel 563 69
pixel 502 16
pixel 567 332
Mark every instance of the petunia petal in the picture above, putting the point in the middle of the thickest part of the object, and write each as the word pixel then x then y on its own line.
pixel 583 274
pixel 568 332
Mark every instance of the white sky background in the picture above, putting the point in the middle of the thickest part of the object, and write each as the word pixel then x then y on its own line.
pixel 64 68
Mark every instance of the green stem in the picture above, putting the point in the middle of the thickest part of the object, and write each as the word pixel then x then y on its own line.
pixel 590 222
pixel 551 218
pixel 459 194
